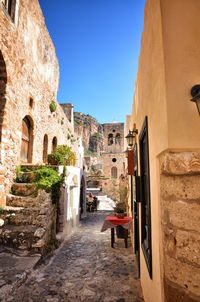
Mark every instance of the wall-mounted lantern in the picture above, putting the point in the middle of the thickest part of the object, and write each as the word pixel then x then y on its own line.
pixel 195 92
pixel 130 137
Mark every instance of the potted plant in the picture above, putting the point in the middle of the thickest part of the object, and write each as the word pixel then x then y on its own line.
pixel 120 209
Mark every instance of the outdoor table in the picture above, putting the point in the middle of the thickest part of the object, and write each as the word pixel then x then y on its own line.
pixel 111 221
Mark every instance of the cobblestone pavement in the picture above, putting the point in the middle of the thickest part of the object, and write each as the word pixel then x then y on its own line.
pixel 84 269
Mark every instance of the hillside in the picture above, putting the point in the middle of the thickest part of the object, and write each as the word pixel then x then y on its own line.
pixel 91 132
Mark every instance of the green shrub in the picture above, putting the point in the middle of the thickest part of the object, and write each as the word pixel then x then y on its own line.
pixel 63 155
pixel 49 180
pixel 21 178
pixel 55 159
pixel 52 106
pixel 120 207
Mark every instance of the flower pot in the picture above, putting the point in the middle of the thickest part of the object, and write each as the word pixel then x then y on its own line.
pixel 119 215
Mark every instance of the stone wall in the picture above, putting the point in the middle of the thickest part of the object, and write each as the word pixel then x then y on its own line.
pixel 180 221
pixel 29 223
pixel 29 77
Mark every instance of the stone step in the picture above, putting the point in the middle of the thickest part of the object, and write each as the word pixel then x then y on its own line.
pixel 29 176
pixel 25 216
pixel 19 237
pixel 21 201
pixel 24 189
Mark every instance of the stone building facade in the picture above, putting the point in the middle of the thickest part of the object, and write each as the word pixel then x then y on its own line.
pixel 167 157
pixel 29 78
pixel 113 158
pixel 32 124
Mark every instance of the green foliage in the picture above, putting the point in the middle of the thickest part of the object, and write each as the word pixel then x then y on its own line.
pixel 55 159
pixel 63 155
pixel 62 121
pixel 49 180
pixel 68 136
pixel 21 178
pixel 25 169
pixel 67 153
pixel 120 207
pixel 52 106
pixel 18 170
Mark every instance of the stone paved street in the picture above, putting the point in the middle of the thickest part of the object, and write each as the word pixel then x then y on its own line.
pixel 84 269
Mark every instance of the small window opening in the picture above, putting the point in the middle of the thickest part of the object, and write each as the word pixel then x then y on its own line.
pixel 114 160
pixel 31 103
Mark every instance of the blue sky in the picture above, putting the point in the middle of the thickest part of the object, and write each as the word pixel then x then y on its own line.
pixel 97 43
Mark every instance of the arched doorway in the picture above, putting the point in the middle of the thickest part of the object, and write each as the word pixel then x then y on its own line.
pixel 45 148
pixel 54 144
pixel 3 82
pixel 27 140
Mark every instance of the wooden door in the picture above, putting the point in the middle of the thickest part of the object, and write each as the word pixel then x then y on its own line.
pixel 25 146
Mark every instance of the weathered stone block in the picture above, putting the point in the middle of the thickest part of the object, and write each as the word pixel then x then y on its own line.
pixel 180 163
pixel 187 247
pixel 181 214
pixel 22 189
pixel 180 187
pixel 185 275
pixel 21 201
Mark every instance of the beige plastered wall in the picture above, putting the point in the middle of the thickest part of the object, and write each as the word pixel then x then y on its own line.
pixel 169 66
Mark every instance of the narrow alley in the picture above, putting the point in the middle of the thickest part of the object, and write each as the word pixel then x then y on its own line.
pixel 85 269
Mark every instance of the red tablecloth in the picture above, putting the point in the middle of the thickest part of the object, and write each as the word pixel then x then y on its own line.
pixel 112 221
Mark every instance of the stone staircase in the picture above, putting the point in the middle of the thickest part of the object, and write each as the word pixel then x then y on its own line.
pixel 29 218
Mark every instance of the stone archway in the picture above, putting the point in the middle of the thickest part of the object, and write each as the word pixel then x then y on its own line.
pixel 3 82
pixel 27 140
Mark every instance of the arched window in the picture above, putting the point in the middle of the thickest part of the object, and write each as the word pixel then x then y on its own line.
pixel 110 139
pixel 54 144
pixel 45 148
pixel 118 139
pixel 114 172
pixel 27 140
